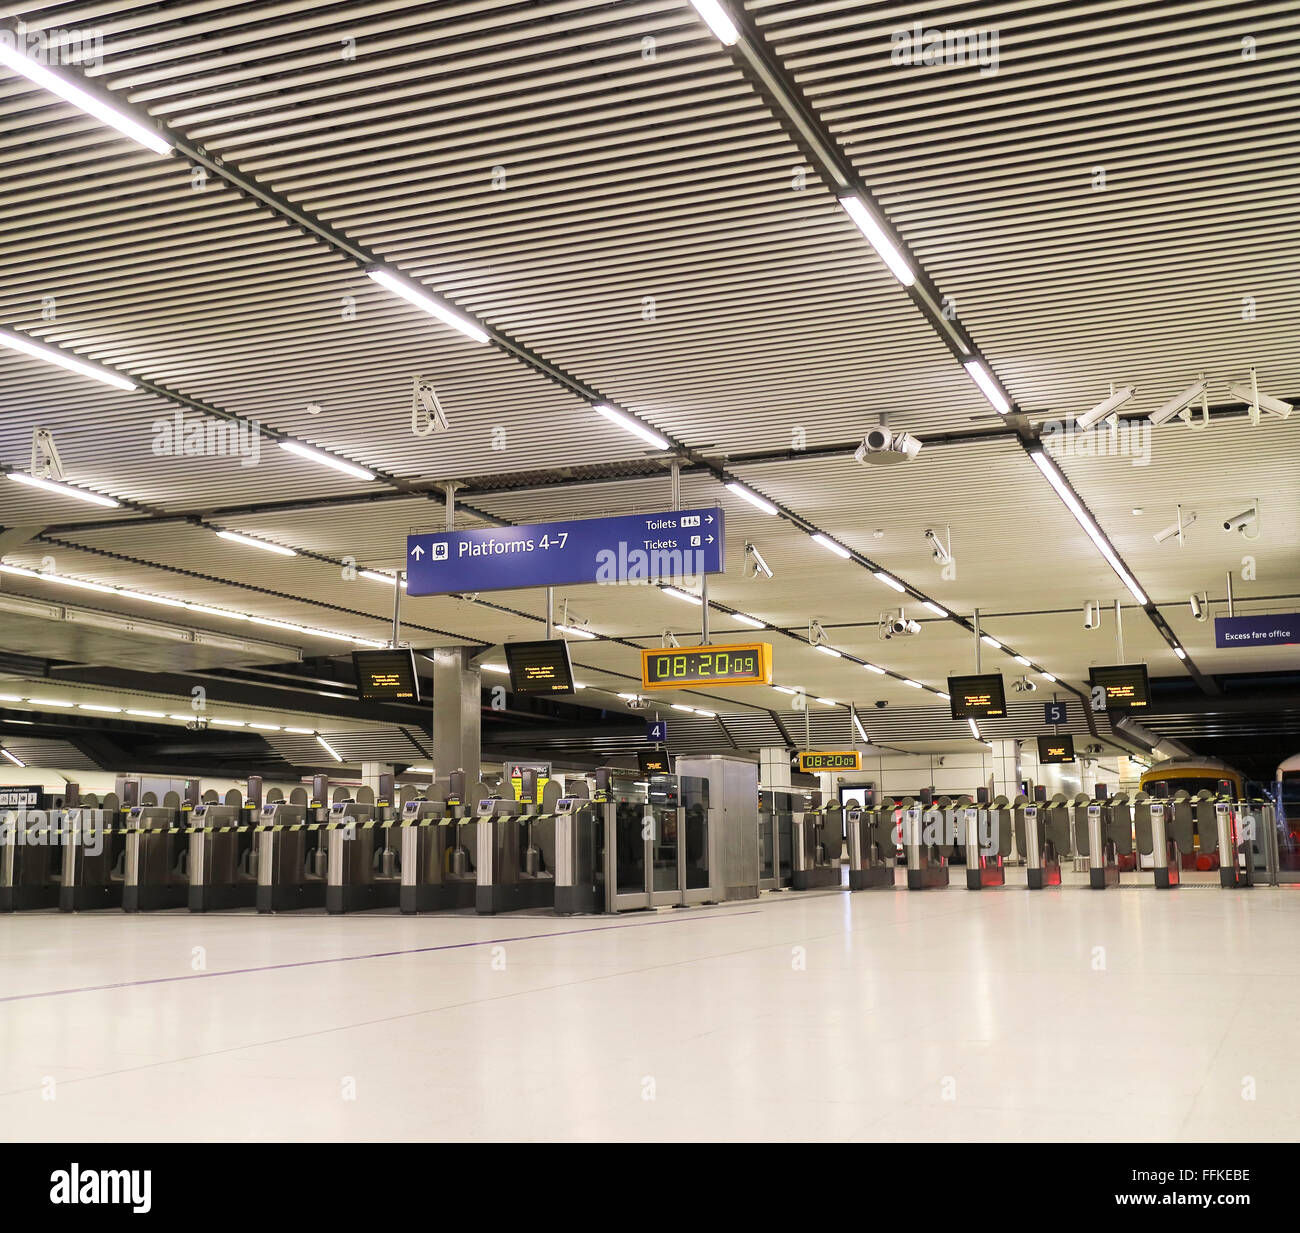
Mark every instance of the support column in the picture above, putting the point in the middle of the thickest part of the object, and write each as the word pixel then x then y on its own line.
pixel 774 767
pixel 1006 769
pixel 370 773
pixel 457 714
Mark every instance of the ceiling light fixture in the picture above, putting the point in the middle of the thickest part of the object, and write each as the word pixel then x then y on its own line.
pixel 632 425
pixel 63 490
pixel 831 546
pixel 328 748
pixel 753 622
pixel 53 355
pixel 828 650
pixel 12 757
pixel 870 227
pixel 676 593
pixel 83 100
pixel 939 612
pixel 1054 477
pixel 890 581
pixel 249 542
pixel 718 21
pixel 423 300
pixel 751 496
pixel 327 460
pixel 574 631
pixel 862 732
pixel 988 387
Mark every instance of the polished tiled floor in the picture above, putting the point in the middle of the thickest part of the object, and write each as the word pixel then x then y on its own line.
pixel 946 1015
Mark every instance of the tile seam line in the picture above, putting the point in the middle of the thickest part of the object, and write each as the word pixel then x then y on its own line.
pixel 383 954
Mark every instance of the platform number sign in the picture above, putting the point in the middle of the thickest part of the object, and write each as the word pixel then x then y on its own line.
pixel 1054 712
pixel 657 730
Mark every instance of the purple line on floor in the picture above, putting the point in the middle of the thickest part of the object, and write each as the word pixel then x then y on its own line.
pixel 379 954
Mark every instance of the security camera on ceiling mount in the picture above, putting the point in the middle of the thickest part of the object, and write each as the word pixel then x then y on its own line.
pixel 882 448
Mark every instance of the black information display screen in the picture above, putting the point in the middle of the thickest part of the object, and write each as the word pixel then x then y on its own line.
pixel 386 676
pixel 654 763
pixel 1055 749
pixel 539 667
pixel 1126 687
pixel 977 697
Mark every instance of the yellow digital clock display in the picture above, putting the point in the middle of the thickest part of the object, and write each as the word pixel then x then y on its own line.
pixel 679 666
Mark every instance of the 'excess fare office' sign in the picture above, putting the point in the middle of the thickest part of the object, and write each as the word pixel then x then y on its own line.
pixel 676 544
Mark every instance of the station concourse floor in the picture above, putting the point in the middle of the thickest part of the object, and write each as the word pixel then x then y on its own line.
pixel 945 1015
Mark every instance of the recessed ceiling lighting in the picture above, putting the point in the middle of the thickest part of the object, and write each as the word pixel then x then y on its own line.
pixel 64 490
pixel 249 542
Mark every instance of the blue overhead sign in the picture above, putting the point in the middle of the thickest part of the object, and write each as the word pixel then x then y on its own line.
pixel 680 544
pixel 657 730
pixel 1270 629
pixel 1054 712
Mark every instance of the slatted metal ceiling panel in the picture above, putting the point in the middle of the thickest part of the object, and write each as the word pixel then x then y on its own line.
pixel 38 752
pixel 990 180
pixel 390 744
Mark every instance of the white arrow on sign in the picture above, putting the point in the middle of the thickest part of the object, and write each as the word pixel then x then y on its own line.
pixel 417 552
pixel 709 518
pixel 710 538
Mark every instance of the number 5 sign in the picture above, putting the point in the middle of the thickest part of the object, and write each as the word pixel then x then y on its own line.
pixel 1054 712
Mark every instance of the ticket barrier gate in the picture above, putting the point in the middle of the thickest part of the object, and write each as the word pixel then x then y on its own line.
pixel 818 843
pixel 438 842
pixel 580 849
pixel 291 859
pixel 360 875
pixel 1108 833
pixel 871 861
pixel 1236 863
pixel 1042 861
pixel 94 857
pixel 516 846
pixel 221 875
pixel 29 870
pixel 776 810
pixel 156 866
pixel 1152 825
pixel 927 866
pixel 657 844
pixel 986 840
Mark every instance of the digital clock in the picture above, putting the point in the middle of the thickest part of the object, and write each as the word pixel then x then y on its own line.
pixel 678 666
pixel 831 760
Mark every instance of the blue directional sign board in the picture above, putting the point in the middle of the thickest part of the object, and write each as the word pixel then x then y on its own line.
pixel 656 730
pixel 681 544
pixel 1054 712
pixel 1268 629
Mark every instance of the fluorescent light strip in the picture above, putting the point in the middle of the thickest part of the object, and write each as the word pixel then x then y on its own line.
pixel 1047 676
pixel 494 668
pixel 148 714
pixel 1020 659
pixel 249 542
pixel 939 612
pixel 686 595
pixel 327 460
pixel 95 706
pixel 11 697
pixel 717 19
pixel 50 702
pixel 873 668
pixel 944 696
pixel 632 425
pixel 1180 652
pixel 325 745
pixel 832 546
pixel 63 490
pixel 574 631
pixel 862 732
pixel 913 684
pixel 784 689
pixel 64 580
pixel 828 650
pixel 216 612
pixel 975 732
pixel 421 299
pixel 753 622
pixel 752 497
pixel 1082 517
pixel 828 702
pixel 980 375
pixel 230 723
pixel 890 582
pixel 302 731
pixel 83 100
pixel 993 642
pixel 12 757
pixel 375 576
pixel 677 706
pixel 866 222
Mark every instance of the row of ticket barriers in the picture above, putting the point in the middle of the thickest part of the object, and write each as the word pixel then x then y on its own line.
pixel 613 844
pixel 1099 835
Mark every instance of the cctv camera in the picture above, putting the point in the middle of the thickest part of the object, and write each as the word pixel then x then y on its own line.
pixel 882 703
pixel 1198 606
pixel 904 626
pixel 1239 522
pixel 1091 616
pixel 940 551
pixel 754 562
pixel 1024 685
pixel 877 439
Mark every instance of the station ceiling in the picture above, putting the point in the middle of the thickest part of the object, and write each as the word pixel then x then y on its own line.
pixel 636 213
